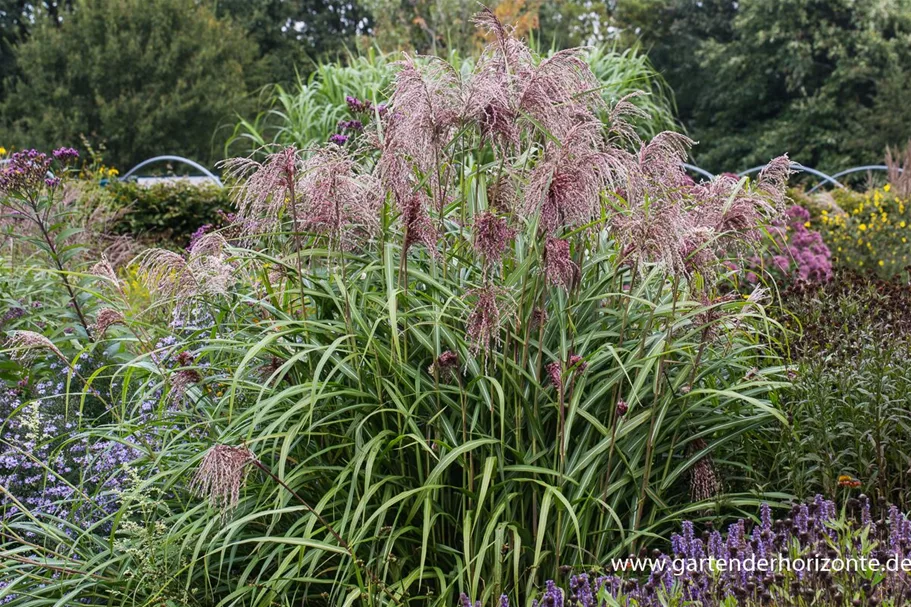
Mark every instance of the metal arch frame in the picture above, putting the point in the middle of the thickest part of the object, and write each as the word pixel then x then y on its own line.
pixel 206 172
pixel 799 167
pixel 832 179
pixel 695 169
pixel 857 169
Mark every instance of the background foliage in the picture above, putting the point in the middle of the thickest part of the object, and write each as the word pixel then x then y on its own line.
pixel 142 77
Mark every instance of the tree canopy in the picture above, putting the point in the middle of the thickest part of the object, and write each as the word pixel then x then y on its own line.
pixel 141 76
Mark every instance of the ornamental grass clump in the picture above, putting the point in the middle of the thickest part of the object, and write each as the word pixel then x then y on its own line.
pixel 467 346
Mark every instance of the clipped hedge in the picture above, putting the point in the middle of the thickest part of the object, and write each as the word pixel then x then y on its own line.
pixel 170 211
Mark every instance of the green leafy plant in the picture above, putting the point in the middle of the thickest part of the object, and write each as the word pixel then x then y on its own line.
pixel 849 408
pixel 868 232
pixel 170 211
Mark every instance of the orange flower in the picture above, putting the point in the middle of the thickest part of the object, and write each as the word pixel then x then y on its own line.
pixel 847 481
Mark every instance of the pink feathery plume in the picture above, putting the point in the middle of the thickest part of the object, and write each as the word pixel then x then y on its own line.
pixel 699 253
pixel 262 190
pixel 181 382
pixel 503 194
pixel 424 111
pixel 491 98
pixel 492 236
pixel 654 226
pixel 165 273
pixel 555 375
pixel 566 186
pixel 104 269
pixel 662 158
pixel 559 268
pixel 106 318
pixel 24 345
pixel 773 179
pixel 621 129
pixel 560 92
pixel 731 212
pixel 445 364
pixel 652 231
pixel 419 229
pixel 486 316
pixel 510 89
pixel 212 273
pixel 221 475
pixel 337 200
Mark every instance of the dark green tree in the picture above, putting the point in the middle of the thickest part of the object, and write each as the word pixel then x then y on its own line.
pixel 824 80
pixel 293 35
pixel 144 77
pixel 16 19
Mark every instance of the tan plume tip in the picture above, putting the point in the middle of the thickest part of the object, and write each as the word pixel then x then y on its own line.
pixel 25 343
pixel 221 475
pixel 104 269
pixel 164 271
pixel 107 317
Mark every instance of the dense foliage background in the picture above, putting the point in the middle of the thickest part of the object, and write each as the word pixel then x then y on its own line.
pixel 826 80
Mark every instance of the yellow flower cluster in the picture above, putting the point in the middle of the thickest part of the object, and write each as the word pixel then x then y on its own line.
pixel 871 232
pixel 98 173
pixel 2 151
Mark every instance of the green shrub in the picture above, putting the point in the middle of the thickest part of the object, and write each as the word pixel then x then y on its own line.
pixel 868 232
pixel 144 77
pixel 850 407
pixel 169 210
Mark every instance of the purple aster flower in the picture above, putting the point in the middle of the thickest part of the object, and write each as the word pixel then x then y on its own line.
pixel 65 154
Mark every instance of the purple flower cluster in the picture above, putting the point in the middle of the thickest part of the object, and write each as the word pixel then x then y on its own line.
pixel 26 170
pixel 65 154
pixel 797 251
pixel 198 234
pixel 47 470
pixel 356 106
pixel 811 531
pixel 351 125
pixel 51 465
pixel 30 169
